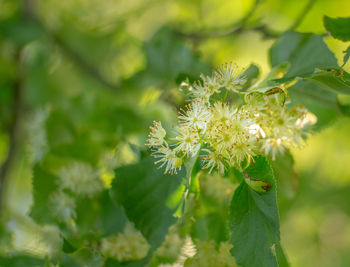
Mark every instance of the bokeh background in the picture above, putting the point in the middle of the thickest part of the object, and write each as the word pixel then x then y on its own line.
pixel 82 78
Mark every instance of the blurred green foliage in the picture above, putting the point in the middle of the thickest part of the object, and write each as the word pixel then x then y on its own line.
pixel 81 81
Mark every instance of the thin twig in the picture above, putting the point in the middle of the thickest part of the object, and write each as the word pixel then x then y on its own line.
pixel 219 32
pixel 14 127
pixel 241 27
pixel 302 15
pixel 80 61
pixel 237 28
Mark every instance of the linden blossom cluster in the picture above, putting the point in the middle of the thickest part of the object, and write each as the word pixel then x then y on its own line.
pixel 224 134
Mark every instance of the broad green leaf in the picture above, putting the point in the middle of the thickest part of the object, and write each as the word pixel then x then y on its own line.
pixel 251 73
pixel 87 257
pixel 269 81
pixel 257 184
pixel 115 263
pixel 20 261
pixel 210 225
pixel 254 219
pixel 321 102
pixel 168 56
pixel 285 175
pixel 99 216
pixel 334 80
pixel 344 104
pixel 281 256
pixel 143 190
pixel 338 27
pixel 304 52
pixel 20 30
pixel 66 260
pixel 67 247
pixel 44 184
pixel 346 56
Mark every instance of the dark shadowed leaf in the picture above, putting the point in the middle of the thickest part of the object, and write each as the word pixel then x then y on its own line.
pixel 44 184
pixel 20 261
pixel 143 191
pixel 338 27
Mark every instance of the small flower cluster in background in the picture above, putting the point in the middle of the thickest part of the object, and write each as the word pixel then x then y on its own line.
pixel 127 246
pixel 224 134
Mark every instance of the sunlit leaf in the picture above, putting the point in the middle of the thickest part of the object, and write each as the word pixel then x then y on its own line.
pixel 334 80
pixel 281 256
pixel 346 55
pixel 254 219
pixel 305 52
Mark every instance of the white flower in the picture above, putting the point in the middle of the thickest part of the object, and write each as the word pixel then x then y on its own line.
pixel 188 141
pixel 275 146
pixel 156 137
pixel 63 206
pixel 170 249
pixel 37 136
pixel 210 84
pixel 208 254
pixel 200 92
pixel 229 77
pixel 130 245
pixel 213 160
pixel 80 178
pixel 197 116
pixel 222 112
pixel 234 134
pixel 241 152
pixel 305 119
pixel 169 159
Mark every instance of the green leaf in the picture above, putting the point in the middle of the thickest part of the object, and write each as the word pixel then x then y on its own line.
pixel 346 56
pixel 281 256
pixel 99 216
pixel 143 191
pixel 251 73
pixel 44 184
pixel 344 104
pixel 304 52
pixel 254 219
pixel 256 184
pixel 285 175
pixel 115 263
pixel 20 261
pixel 269 81
pixel 20 30
pixel 67 247
pixel 321 102
pixel 334 80
pixel 338 27
pixel 168 56
pixel 210 225
pixel 87 257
